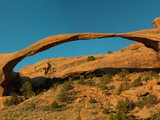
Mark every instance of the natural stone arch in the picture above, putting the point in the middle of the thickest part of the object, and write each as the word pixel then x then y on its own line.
pixel 150 38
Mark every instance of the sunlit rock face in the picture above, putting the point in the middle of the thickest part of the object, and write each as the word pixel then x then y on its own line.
pixel 150 38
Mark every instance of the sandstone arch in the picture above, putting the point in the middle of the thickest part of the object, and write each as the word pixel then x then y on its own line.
pixel 150 38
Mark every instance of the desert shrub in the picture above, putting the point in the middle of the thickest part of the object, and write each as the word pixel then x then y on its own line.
pixel 90 75
pixel 111 87
pixel 90 82
pixel 63 97
pixel 105 111
pixel 127 86
pixel 121 116
pixel 54 104
pixel 102 86
pixel 90 58
pixel 33 106
pixel 26 90
pixel 137 82
pixel 67 85
pixel 126 79
pixel 141 103
pixel 112 117
pixel 14 100
pixel 109 52
pixel 152 99
pixel 154 116
pixel 105 79
pixel 106 92
pixel 147 100
pixel 91 100
pixel 81 81
pixel 123 73
pixel 125 106
pixel 120 89
pixel 146 78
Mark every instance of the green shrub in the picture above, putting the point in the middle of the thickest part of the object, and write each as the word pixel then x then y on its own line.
pixel 54 104
pixel 106 92
pixel 137 82
pixel 152 99
pixel 111 87
pixel 26 90
pixel 146 78
pixel 33 106
pixel 90 82
pixel 147 100
pixel 81 81
pixel 154 116
pixel 121 116
pixel 125 106
pixel 14 100
pixel 90 58
pixel 90 75
pixel 105 79
pixel 91 100
pixel 112 117
pixel 105 111
pixel 120 89
pixel 63 97
pixel 67 85
pixel 109 52
pixel 123 73
pixel 141 103
pixel 102 86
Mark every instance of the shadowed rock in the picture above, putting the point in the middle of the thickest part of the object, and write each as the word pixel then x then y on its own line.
pixel 150 38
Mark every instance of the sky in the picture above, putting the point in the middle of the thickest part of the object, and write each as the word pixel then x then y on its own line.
pixel 24 22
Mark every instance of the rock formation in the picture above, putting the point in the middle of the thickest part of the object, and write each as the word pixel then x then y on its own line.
pixel 150 38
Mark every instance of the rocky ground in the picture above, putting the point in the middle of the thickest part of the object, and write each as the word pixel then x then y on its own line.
pixel 135 95
pixel 124 85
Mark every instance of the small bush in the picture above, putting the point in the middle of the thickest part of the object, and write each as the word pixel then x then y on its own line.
pixel 14 100
pixel 152 99
pixel 123 73
pixel 154 116
pixel 105 79
pixel 106 92
pixel 109 52
pixel 125 106
pixel 67 86
pixel 141 103
pixel 111 87
pixel 90 82
pixel 91 58
pixel 102 86
pixel 105 111
pixel 81 81
pixel 121 116
pixel 63 97
pixel 137 82
pixel 90 75
pixel 54 104
pixel 33 106
pixel 26 90
pixel 120 89
pixel 91 100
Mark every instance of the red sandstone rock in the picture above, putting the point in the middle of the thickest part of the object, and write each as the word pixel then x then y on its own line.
pixel 149 38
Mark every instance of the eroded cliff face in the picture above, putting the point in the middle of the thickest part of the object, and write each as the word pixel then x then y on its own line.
pixel 149 38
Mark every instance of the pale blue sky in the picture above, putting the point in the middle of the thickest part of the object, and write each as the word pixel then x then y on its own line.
pixel 23 22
